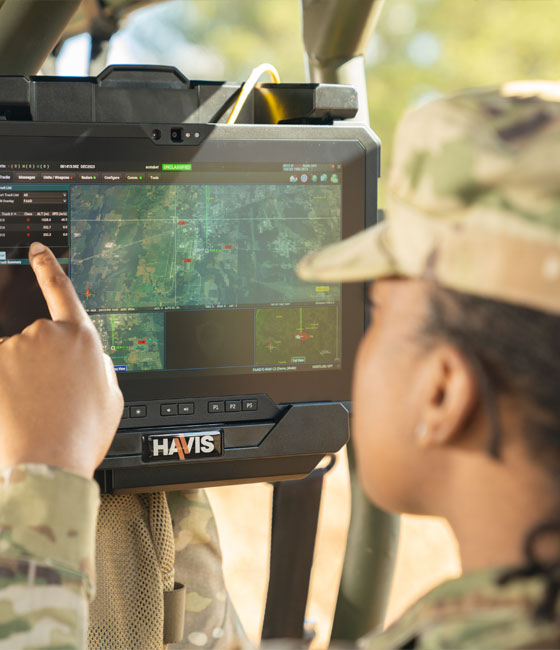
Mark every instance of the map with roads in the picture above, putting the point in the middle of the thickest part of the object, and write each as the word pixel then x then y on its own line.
pixel 134 341
pixel 176 246
pixel 145 249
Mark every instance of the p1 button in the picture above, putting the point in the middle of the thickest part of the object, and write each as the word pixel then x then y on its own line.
pixel 215 407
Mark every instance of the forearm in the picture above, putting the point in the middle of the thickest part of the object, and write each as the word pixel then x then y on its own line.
pixel 47 542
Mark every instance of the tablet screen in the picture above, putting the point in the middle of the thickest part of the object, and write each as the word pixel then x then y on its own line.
pixel 187 269
pixel 204 253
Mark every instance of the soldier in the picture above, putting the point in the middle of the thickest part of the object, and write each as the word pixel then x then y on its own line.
pixel 456 409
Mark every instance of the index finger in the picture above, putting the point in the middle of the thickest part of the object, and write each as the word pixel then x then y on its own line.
pixel 61 297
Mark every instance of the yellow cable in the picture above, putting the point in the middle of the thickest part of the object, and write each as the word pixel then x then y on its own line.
pixel 248 86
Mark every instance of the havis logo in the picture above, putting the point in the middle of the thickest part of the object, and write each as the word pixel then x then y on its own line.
pixel 183 446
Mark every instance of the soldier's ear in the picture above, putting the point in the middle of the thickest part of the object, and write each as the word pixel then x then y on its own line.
pixel 450 395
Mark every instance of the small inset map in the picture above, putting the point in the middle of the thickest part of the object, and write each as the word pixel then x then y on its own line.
pixel 297 335
pixel 133 341
pixel 178 246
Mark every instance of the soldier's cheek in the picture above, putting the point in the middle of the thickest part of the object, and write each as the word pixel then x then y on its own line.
pixel 373 420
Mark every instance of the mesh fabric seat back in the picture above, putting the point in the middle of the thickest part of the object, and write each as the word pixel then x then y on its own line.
pixel 134 563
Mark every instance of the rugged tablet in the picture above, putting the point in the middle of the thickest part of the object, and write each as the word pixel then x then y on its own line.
pixel 182 242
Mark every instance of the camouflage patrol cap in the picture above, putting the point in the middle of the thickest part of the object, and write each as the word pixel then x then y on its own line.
pixel 473 200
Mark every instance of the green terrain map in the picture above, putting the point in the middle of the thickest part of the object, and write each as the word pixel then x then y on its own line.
pixel 134 341
pixel 138 248
pixel 297 335
pixel 173 246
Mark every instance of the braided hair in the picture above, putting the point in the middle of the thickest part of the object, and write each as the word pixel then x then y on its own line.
pixel 513 351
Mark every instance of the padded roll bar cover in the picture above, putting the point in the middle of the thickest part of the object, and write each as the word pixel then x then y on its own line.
pixel 338 31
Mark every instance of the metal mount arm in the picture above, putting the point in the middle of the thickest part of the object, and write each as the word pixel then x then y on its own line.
pixel 336 34
pixel 29 30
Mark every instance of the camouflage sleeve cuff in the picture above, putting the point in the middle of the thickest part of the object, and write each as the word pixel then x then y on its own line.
pixel 48 515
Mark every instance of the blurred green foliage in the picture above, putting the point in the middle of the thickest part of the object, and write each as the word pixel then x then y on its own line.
pixel 421 48
pixel 249 32
pixel 481 42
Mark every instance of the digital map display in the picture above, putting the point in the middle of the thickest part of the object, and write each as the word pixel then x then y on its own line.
pixel 173 246
pixel 149 249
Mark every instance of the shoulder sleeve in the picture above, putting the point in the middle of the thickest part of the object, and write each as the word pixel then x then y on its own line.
pixel 47 543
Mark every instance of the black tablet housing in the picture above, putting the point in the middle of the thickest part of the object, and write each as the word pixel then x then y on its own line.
pixel 181 240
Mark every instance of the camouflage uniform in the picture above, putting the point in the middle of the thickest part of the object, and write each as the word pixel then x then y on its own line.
pixel 47 542
pixel 210 619
pixel 47 550
pixel 474 611
pixel 473 204
pixel 47 557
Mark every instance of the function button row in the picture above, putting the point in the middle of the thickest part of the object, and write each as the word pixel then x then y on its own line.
pixel 186 408
pixel 233 406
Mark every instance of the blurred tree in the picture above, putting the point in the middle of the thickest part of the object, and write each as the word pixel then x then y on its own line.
pixel 423 48
pixel 248 33
pixel 233 36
